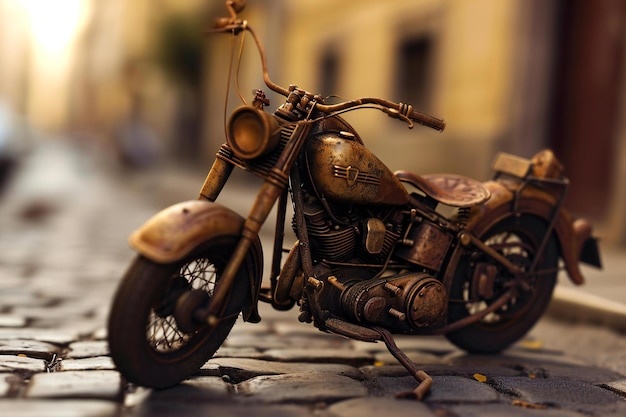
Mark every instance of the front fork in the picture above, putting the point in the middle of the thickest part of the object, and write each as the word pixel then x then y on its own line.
pixel 215 180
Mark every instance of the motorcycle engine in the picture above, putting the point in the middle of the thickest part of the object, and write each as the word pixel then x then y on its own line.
pixel 347 235
pixel 345 238
pixel 404 302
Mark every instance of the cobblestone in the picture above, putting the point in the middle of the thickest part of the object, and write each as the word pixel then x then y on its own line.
pixel 57 408
pixel 75 384
pixel 301 387
pixel 240 369
pixel 54 358
pixel 374 406
pixel 21 364
pixel 87 349
pixel 553 392
pixel 88 364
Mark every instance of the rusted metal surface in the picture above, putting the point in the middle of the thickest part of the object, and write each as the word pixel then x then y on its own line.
pixel 177 230
pixel 427 246
pixel 346 171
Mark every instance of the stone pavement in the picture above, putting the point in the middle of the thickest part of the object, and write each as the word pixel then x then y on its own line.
pixel 62 250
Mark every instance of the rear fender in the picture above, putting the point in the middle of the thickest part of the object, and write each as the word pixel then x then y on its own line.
pixel 573 237
pixel 170 235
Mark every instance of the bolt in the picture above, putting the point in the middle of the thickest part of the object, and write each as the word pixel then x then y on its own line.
pixel 394 290
pixel 397 314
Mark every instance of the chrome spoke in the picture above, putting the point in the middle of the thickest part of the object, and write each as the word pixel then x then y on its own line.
pixel 163 333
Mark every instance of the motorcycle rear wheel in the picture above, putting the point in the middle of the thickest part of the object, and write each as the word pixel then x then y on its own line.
pixel 146 343
pixel 518 239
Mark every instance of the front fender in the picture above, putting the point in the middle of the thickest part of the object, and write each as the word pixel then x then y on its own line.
pixel 174 232
pixel 571 235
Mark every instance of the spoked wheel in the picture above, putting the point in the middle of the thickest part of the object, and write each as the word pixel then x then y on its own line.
pixel 480 281
pixel 154 338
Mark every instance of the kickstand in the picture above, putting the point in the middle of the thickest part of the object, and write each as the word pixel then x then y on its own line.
pixel 425 381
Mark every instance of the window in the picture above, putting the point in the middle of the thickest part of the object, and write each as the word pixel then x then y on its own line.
pixel 329 68
pixel 414 72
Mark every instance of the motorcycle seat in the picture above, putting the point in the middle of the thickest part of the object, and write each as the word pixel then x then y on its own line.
pixel 450 189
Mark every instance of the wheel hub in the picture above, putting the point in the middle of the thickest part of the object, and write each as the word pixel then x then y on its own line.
pixel 186 307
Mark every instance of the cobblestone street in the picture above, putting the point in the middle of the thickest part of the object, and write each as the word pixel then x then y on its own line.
pixel 63 249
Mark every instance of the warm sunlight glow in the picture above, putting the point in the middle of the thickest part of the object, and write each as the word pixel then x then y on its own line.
pixel 54 23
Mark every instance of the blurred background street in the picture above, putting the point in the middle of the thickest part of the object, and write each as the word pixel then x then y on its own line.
pixel 111 110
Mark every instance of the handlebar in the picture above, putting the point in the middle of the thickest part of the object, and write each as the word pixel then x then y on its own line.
pixel 396 110
pixel 401 111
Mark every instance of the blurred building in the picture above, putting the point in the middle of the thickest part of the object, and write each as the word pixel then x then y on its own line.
pixel 507 75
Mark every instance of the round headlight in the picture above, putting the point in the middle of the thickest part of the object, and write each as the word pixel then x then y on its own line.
pixel 252 132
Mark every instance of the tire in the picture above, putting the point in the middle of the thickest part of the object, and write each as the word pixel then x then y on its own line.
pixel 518 239
pixel 145 340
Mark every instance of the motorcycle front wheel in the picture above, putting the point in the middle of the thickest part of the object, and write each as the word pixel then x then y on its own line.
pixel 146 340
pixel 518 239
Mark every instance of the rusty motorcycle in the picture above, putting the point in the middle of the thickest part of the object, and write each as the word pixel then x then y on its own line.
pixel 373 257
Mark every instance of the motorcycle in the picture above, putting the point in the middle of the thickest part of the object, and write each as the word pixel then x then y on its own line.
pixel 373 257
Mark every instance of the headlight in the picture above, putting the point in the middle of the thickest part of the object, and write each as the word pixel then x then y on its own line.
pixel 252 132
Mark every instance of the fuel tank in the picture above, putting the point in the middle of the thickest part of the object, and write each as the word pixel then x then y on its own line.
pixel 343 170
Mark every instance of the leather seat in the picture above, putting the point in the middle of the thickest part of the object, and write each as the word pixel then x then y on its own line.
pixel 450 189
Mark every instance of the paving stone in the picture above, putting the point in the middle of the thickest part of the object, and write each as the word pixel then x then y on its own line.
pixel 54 336
pixel 571 395
pixel 300 388
pixel 88 348
pixel 57 408
pixel 417 357
pixel 64 310
pixel 513 359
pixel 209 369
pixel 436 345
pixel 349 357
pixel 375 371
pixel 271 341
pixel 444 389
pixel 88 364
pixel 196 389
pixel 501 410
pixel 240 369
pixel 75 384
pixel 376 406
pixel 589 374
pixel 258 342
pixel 31 348
pixel 164 409
pixel 12 363
pixel 82 327
pixel 460 389
pixel 12 297
pixel 238 352
pixel 12 320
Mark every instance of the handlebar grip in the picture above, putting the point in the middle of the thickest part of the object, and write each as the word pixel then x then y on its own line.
pixel 429 121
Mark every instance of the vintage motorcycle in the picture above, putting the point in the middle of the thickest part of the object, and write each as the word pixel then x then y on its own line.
pixel 374 256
